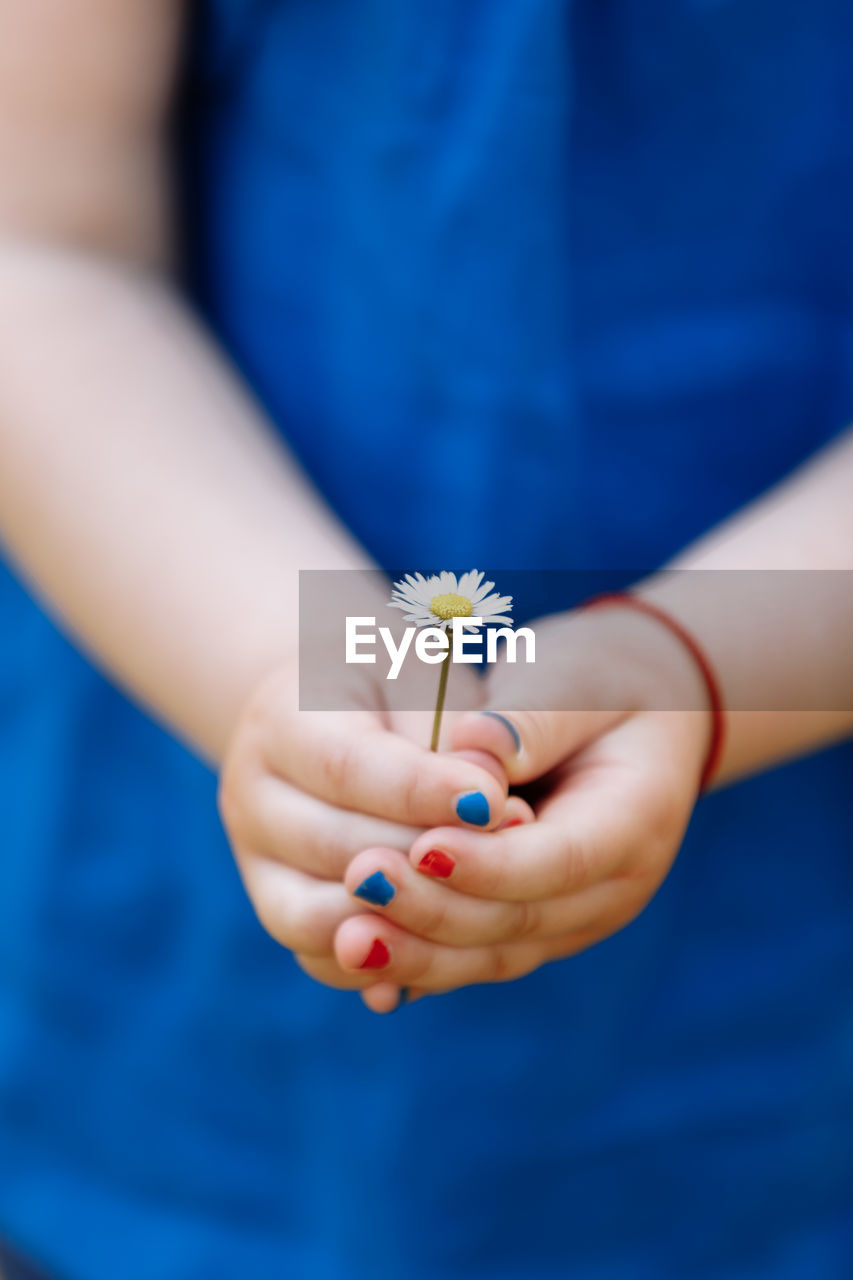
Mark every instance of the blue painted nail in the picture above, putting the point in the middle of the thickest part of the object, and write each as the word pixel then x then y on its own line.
pixel 507 724
pixel 473 807
pixel 376 889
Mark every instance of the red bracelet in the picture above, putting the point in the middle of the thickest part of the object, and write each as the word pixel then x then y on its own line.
pixel 712 683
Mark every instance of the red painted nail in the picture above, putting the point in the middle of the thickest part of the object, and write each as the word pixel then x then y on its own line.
pixel 436 863
pixel 377 957
pixel 513 822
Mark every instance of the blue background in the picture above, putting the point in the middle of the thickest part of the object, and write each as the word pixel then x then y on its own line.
pixel 530 283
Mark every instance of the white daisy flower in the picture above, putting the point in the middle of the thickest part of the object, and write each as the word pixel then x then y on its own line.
pixel 437 600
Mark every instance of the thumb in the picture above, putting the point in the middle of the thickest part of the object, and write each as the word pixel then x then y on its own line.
pixel 530 743
pixel 536 716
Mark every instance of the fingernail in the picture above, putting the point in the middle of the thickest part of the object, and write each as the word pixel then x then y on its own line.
pixel 473 807
pixel 436 863
pixel 377 957
pixel 404 995
pixel 376 889
pixel 513 822
pixel 507 724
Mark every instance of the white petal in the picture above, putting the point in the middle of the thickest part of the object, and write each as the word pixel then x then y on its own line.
pixel 403 591
pixel 494 603
pixel 419 594
pixel 416 587
pixel 468 583
pixel 462 584
pixel 483 590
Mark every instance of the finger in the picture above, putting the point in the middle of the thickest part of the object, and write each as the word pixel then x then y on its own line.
pixel 378 996
pixel 294 827
pixel 283 822
pixel 582 837
pixel 620 809
pixel 518 813
pixel 384 997
pixel 326 970
pixel 530 743
pixel 365 942
pixel 384 879
pixel 297 910
pixel 350 760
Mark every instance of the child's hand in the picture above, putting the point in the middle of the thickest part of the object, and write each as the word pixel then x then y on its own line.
pixel 618 792
pixel 303 792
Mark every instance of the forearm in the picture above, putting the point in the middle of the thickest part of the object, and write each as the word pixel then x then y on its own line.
pixel 142 492
pixel 784 652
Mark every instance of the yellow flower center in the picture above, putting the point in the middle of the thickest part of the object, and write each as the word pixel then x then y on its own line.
pixel 451 606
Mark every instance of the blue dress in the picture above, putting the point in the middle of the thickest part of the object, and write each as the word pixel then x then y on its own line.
pixel 587 267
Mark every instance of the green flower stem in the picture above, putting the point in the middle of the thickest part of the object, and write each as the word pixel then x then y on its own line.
pixel 439 705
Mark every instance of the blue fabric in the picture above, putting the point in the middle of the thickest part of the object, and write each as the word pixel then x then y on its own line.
pixel 583 270
pixel 14 1268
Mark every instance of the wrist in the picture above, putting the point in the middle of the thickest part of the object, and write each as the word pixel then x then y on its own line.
pixel 653 669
